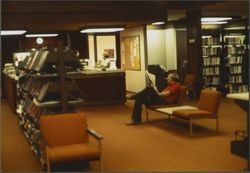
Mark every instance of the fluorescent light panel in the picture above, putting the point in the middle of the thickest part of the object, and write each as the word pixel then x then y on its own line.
pixel 215 19
pixel 41 35
pixel 12 32
pixel 95 30
pixel 214 23
pixel 158 23
pixel 207 36
pixel 234 36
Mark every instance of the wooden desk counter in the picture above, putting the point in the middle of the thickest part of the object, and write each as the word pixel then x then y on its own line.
pixel 102 87
pixel 10 91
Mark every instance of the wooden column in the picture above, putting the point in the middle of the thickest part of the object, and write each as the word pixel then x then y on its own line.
pixel 194 45
pixel 62 75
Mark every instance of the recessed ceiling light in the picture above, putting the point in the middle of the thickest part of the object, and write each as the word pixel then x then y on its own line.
pixel 158 23
pixel 41 35
pixel 215 19
pixel 214 23
pixel 12 32
pixel 95 30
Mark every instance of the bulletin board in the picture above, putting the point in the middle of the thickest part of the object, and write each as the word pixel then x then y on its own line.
pixel 130 53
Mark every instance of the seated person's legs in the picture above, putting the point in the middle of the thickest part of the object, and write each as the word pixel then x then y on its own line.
pixel 148 96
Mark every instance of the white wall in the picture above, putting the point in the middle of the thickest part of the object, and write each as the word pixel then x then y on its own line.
pixel 156 47
pixel 105 42
pixel 135 80
pixel 171 54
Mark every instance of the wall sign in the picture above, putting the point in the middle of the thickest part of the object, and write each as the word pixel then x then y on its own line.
pixel 130 53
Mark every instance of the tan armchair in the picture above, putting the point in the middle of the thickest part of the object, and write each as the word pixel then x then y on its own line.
pixel 208 107
pixel 66 139
pixel 179 102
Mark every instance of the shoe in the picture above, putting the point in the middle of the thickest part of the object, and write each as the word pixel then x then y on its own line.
pixel 130 123
pixel 130 96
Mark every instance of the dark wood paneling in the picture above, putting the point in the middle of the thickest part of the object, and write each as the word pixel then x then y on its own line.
pixel 182 57
pixel 72 15
pixel 28 43
pixel 79 42
pixel 10 93
pixel 9 45
pixel 103 88
pixel 93 6
pixel 194 46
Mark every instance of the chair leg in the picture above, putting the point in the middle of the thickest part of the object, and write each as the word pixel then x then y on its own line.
pixel 190 127
pixel 217 125
pixel 48 165
pixel 100 164
pixel 146 114
pixel 47 161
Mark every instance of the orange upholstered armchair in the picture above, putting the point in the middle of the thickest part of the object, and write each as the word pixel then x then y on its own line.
pixel 66 139
pixel 179 102
pixel 208 107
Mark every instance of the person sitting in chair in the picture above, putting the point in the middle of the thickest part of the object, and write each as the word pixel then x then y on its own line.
pixel 149 96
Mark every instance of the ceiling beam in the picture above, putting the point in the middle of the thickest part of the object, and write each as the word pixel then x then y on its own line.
pixel 93 6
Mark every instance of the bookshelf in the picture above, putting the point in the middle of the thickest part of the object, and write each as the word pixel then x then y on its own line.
pixel 211 58
pixel 235 48
pixel 225 58
pixel 43 89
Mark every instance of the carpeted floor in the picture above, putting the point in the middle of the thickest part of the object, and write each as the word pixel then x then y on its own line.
pixel 160 145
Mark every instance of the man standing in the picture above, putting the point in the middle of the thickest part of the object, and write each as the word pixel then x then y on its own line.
pixel 149 96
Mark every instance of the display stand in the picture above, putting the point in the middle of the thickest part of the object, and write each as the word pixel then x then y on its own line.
pixel 43 89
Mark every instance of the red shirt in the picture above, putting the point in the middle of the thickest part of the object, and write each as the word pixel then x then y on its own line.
pixel 175 90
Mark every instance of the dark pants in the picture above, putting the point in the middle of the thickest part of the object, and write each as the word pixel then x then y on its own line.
pixel 147 96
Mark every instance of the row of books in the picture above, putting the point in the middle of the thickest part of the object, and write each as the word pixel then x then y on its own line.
pixel 235 50
pixel 31 85
pixel 236 69
pixel 31 132
pixel 44 60
pixel 211 71
pixel 234 59
pixel 211 61
pixel 31 110
pixel 48 90
pixel 238 88
pixel 235 79
pixel 211 40
pixel 37 59
pixel 211 81
pixel 234 39
pixel 208 51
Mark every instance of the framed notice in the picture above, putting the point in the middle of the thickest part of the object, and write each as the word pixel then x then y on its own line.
pixel 130 53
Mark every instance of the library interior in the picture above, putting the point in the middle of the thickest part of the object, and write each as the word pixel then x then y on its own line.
pixel 125 86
